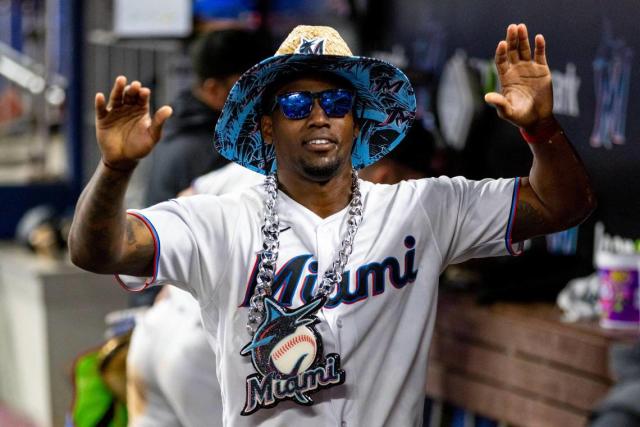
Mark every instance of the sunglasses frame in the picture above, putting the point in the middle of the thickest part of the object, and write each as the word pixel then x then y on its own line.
pixel 314 95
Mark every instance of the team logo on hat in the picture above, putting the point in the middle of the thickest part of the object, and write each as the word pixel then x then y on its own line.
pixel 286 352
pixel 313 46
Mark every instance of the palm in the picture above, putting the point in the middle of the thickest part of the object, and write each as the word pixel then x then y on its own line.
pixel 527 95
pixel 124 129
pixel 527 88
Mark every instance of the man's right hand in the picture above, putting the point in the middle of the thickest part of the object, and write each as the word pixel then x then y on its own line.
pixel 124 128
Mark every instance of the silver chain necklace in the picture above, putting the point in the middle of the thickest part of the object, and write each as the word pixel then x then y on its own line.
pixel 271 245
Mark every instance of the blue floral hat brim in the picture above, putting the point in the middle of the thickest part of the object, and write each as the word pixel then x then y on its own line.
pixel 385 107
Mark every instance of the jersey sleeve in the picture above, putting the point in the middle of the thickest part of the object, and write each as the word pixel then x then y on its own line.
pixel 191 239
pixel 471 219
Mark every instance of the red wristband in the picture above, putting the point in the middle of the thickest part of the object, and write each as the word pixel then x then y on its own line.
pixel 543 134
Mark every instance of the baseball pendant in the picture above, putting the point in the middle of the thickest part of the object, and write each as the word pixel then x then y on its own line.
pixel 286 352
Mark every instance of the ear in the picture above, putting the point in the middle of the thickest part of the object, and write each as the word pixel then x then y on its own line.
pixel 213 93
pixel 209 85
pixel 378 173
pixel 266 128
pixel 381 174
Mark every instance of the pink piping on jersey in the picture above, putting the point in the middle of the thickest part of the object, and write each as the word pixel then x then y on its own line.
pixel 156 255
pixel 512 218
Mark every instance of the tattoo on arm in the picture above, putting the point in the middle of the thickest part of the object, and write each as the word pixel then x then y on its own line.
pixel 529 222
pixel 140 248
pixel 131 236
pixel 104 239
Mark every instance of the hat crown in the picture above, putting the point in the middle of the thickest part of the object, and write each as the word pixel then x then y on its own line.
pixel 314 40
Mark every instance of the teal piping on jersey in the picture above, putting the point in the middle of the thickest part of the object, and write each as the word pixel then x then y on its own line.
pixel 156 255
pixel 512 216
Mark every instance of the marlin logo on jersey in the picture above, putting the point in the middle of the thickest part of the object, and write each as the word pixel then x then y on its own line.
pixel 370 279
pixel 286 352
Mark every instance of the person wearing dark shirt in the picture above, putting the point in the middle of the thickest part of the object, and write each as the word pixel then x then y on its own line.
pixel 185 151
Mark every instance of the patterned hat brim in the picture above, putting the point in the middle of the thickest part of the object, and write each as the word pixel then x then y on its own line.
pixel 385 107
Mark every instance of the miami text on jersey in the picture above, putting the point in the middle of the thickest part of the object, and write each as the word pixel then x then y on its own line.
pixel 291 278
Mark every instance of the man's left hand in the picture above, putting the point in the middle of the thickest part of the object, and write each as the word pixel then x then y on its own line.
pixel 527 95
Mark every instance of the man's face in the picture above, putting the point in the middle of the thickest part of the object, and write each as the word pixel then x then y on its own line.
pixel 317 147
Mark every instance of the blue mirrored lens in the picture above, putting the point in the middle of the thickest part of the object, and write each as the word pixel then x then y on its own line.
pixel 336 102
pixel 298 105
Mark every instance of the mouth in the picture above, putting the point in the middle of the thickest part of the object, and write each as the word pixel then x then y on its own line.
pixel 320 144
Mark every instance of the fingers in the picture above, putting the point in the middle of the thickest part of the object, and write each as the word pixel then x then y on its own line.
pixel 517 44
pixel 502 60
pixel 115 98
pixel 122 94
pixel 100 105
pixel 143 96
pixel 135 94
pixel 158 120
pixel 512 44
pixel 500 102
pixel 523 43
pixel 539 55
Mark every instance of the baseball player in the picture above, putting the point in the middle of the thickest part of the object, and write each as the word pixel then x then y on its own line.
pixel 318 290
pixel 170 367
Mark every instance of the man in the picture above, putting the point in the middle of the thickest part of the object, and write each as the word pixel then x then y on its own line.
pixel 318 291
pixel 184 153
pixel 170 367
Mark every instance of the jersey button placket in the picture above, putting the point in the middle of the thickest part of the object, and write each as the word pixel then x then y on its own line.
pixel 325 240
pixel 331 336
pixel 329 339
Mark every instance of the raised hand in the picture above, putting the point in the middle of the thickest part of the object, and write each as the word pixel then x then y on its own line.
pixel 124 128
pixel 527 95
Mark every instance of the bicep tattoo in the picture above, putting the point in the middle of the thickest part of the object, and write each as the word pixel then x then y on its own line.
pixel 140 249
pixel 529 222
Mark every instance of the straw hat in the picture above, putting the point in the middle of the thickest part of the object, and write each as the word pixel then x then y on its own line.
pixel 385 101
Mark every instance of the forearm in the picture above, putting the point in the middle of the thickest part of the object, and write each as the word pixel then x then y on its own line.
pixel 99 223
pixel 559 182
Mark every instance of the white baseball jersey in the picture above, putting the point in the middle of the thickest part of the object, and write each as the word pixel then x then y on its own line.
pixel 229 178
pixel 171 361
pixel 379 319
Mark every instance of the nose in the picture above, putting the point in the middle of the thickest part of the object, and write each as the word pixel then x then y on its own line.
pixel 318 117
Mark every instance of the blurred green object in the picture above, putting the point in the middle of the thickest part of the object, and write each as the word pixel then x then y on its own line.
pixel 95 405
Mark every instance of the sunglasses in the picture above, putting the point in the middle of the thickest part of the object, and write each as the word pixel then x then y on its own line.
pixel 298 105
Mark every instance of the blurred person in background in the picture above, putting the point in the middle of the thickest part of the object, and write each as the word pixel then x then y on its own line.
pixel 186 149
pixel 411 159
pixel 171 368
